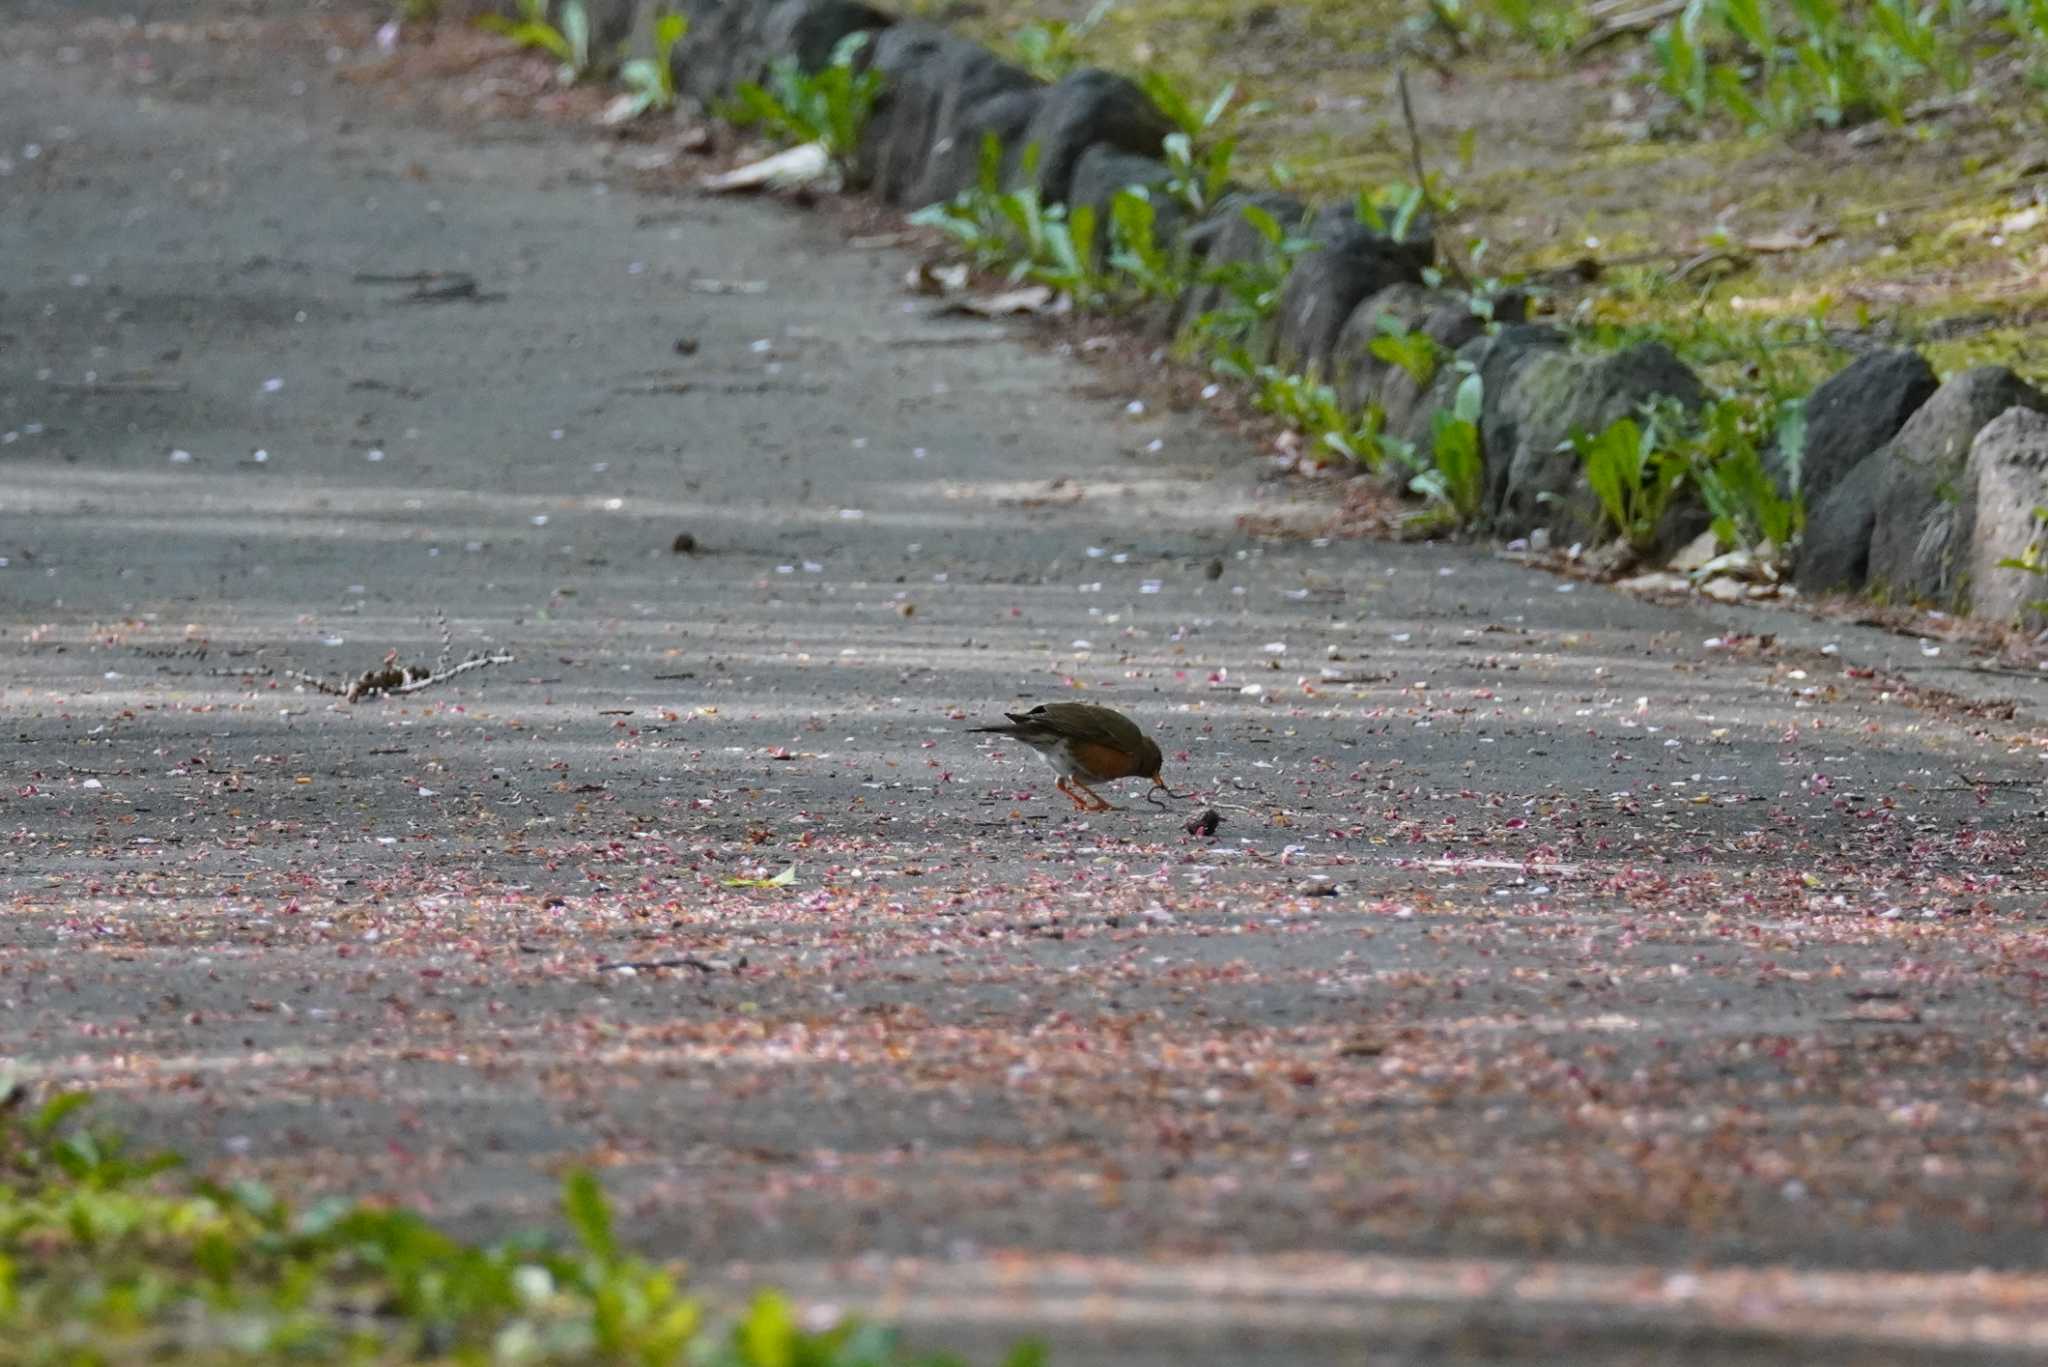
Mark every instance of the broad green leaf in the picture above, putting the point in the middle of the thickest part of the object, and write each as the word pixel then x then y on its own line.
pixel 584 1204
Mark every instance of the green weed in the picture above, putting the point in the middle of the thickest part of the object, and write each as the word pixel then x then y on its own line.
pixel 1720 447
pixel 1198 158
pixel 1632 476
pixel 1051 48
pixel 568 44
pixel 2034 559
pixel 1455 479
pixel 1140 265
pixel 1251 288
pixel 1048 244
pixel 829 107
pixel 1550 27
pixel 1829 65
pixel 107 1256
pixel 1391 210
pixel 1417 353
pixel 651 81
pixel 975 218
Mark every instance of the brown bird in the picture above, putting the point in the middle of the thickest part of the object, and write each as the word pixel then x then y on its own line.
pixel 1086 744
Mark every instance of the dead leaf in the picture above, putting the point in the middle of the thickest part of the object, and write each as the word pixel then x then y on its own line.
pixel 1657 581
pixel 1696 552
pixel 1885 1013
pixel 1725 590
pixel 929 277
pixel 1029 299
pixel 785 879
pixel 806 164
pixel 1788 239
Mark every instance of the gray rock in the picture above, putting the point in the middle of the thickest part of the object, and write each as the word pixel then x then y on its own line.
pixel 1852 414
pixel 1103 172
pixel 2010 461
pixel 1927 500
pixel 905 55
pixel 721 49
pixel 1553 393
pixel 1444 316
pixel 611 21
pixel 961 78
pixel 1326 285
pixel 812 30
pixel 1086 108
pixel 1834 552
pixel 954 161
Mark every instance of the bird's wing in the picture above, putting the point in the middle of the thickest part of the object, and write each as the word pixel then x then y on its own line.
pixel 1086 722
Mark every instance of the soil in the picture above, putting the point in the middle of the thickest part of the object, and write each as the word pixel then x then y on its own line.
pixel 1765 258
pixel 1570 978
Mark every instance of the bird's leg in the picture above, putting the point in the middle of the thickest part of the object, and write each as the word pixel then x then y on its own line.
pixel 1101 805
pixel 1078 801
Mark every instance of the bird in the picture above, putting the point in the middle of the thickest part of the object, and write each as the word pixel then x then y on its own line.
pixel 1086 744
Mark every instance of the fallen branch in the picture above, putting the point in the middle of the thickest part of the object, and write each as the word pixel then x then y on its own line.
pixel 1636 21
pixel 1452 268
pixel 392 679
pixel 685 961
pixel 118 386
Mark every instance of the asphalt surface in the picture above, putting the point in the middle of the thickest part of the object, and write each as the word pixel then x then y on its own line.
pixel 1571 979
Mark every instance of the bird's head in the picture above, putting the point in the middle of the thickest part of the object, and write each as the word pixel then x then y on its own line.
pixel 1149 762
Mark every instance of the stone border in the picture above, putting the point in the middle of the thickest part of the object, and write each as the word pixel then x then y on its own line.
pixel 1910 487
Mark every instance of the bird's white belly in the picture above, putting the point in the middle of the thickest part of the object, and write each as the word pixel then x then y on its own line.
pixel 1059 757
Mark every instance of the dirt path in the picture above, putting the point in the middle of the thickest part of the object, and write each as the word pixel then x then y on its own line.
pixel 1571 979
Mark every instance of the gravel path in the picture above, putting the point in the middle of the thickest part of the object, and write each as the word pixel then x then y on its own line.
pixel 1571 978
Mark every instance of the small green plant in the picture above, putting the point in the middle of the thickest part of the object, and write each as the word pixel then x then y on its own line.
pixel 1391 210
pixel 1251 288
pixel 1312 408
pixel 1551 28
pixel 110 1256
pixel 1051 48
pixel 1049 244
pixel 829 107
pixel 1721 448
pixel 1140 265
pixel 1415 352
pixel 1196 119
pixel 1631 475
pixel 2034 559
pixel 651 81
pixel 1197 160
pixel 568 44
pixel 1059 247
pixel 1831 65
pixel 1780 359
pixel 975 217
pixel 1455 480
pixel 1681 69
pixel 1198 178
